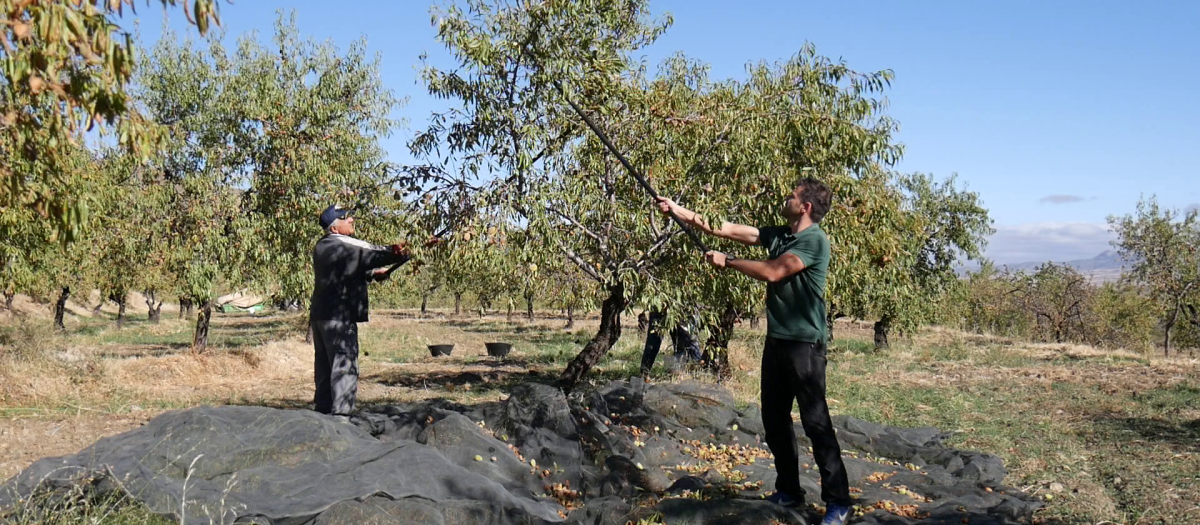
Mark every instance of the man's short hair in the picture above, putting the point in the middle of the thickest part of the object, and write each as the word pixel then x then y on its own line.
pixel 818 194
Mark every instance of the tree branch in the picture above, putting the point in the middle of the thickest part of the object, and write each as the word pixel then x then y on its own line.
pixel 659 243
pixel 580 262
pixel 600 241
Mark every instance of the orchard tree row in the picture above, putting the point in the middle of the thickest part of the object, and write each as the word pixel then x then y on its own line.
pixel 1155 303
pixel 730 149
pixel 222 160
pixel 249 144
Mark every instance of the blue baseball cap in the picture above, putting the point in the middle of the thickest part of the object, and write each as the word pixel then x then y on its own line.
pixel 333 213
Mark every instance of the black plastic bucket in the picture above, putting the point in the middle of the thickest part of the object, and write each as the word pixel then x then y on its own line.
pixel 498 349
pixel 436 350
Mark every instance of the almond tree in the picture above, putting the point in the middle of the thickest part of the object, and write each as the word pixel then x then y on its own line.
pixel 512 61
pixel 571 290
pixel 119 239
pixel 1161 247
pixel 731 151
pixel 939 226
pixel 66 66
pixel 317 115
pixel 725 149
pixel 36 259
pixel 193 95
pixel 132 242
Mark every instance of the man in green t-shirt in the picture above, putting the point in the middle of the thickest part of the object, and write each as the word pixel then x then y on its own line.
pixel 793 364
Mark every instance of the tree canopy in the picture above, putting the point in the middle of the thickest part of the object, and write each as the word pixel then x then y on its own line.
pixel 66 67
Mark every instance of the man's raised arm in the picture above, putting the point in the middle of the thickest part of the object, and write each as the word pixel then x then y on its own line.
pixel 747 235
pixel 376 256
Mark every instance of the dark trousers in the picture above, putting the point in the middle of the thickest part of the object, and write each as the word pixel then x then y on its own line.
pixel 686 348
pixel 335 367
pixel 793 370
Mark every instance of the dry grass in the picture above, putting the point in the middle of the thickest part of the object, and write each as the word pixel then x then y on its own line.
pixel 1120 431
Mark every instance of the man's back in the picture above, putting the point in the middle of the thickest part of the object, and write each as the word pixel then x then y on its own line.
pixel 341 267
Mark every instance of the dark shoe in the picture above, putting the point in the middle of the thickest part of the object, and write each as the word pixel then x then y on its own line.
pixel 785 500
pixel 836 515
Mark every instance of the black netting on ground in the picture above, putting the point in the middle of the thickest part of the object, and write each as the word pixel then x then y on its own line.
pixel 624 452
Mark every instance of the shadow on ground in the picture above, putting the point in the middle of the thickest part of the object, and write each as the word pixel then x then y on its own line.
pixel 1182 435
pixel 128 351
pixel 500 380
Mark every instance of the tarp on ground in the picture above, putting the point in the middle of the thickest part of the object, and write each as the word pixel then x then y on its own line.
pixel 621 453
pixel 239 301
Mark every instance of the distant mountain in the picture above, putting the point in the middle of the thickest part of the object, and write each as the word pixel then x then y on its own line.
pixel 1102 268
pixel 1107 260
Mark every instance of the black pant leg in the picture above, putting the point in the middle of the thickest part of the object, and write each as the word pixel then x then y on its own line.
pixel 653 343
pixel 809 362
pixel 777 397
pixel 342 341
pixel 323 395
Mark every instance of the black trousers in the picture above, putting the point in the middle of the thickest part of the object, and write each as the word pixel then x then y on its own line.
pixel 686 348
pixel 335 366
pixel 795 371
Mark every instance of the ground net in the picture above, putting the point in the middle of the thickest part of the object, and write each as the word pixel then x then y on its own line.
pixel 626 452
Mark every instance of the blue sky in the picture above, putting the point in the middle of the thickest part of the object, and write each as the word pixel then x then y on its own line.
pixel 1057 113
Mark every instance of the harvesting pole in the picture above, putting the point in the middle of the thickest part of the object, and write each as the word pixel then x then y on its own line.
pixel 628 166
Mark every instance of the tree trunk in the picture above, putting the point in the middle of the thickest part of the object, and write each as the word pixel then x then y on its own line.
pixel 200 339
pixel 754 322
pixel 606 336
pixel 457 303
pixel 96 310
pixel 424 305
pixel 716 351
pixel 1167 337
pixel 508 314
pixel 882 327
pixel 570 318
pixel 154 307
pixel 8 300
pixel 829 327
pixel 120 312
pixel 308 337
pixel 60 308
pixel 529 303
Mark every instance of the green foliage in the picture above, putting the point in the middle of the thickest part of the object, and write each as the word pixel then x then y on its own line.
pixel 32 258
pixel 511 58
pixel 1123 317
pixel 65 69
pixel 316 118
pixel 952 225
pixel 193 94
pixel 1055 303
pixel 1161 247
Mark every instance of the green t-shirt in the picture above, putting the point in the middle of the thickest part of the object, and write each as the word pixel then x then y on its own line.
pixel 796 305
